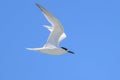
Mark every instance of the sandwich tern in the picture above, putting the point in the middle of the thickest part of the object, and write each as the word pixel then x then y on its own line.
pixel 56 35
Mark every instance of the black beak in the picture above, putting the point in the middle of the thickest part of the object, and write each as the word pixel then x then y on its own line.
pixel 71 52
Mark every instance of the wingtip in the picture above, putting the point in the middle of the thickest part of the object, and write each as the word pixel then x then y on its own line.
pixel 39 6
pixel 36 4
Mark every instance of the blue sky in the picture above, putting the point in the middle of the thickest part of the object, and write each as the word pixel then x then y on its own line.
pixel 93 33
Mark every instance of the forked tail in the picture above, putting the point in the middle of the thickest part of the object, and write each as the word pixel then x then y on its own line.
pixel 32 48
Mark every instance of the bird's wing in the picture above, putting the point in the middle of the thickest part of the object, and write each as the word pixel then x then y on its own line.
pixel 48 15
pixel 63 36
pixel 57 34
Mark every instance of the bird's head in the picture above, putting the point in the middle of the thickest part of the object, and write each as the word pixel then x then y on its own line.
pixel 67 50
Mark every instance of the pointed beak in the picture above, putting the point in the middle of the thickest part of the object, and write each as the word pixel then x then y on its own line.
pixel 71 52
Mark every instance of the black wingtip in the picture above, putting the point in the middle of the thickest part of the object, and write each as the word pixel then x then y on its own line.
pixel 37 4
pixel 40 7
pixel 64 48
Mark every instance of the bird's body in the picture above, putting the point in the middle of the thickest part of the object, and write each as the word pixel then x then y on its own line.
pixel 56 35
pixel 54 51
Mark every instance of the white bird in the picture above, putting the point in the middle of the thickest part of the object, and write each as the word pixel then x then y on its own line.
pixel 56 35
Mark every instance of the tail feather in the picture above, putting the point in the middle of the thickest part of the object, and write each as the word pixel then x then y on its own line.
pixel 32 48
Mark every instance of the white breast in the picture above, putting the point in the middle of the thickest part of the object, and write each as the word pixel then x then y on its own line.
pixel 54 51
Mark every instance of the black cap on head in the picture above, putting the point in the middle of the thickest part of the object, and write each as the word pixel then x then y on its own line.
pixel 67 50
pixel 64 48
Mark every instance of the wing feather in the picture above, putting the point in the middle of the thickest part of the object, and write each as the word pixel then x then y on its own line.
pixel 57 34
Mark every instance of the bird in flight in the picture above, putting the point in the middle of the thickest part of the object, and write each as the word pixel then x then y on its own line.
pixel 56 35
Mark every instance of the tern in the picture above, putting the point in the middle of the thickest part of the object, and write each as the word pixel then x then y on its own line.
pixel 56 35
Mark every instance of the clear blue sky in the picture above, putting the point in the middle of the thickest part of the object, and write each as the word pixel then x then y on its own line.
pixel 93 33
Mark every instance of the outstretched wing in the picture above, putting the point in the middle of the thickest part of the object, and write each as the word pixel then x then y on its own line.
pixel 57 34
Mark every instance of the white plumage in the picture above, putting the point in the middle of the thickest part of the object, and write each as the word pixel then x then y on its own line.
pixel 56 35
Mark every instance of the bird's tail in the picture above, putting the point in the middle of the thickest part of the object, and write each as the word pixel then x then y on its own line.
pixel 32 48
